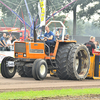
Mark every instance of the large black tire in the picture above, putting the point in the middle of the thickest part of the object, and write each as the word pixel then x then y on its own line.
pixel 78 62
pixel 39 69
pixel 7 72
pixel 34 69
pixel 21 71
pixel 28 71
pixel 62 60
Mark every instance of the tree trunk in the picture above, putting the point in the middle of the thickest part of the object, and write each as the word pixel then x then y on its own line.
pixel 74 20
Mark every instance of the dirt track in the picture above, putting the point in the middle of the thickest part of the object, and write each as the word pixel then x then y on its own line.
pixel 19 83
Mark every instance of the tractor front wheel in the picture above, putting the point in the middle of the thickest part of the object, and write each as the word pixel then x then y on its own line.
pixel 8 71
pixel 39 69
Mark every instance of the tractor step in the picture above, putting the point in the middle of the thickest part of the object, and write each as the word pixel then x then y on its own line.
pixel 96 77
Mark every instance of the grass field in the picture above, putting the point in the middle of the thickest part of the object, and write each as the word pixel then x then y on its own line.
pixel 47 93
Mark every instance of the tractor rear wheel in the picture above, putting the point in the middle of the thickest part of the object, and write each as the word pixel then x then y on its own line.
pixel 7 71
pixel 78 62
pixel 21 71
pixel 28 71
pixel 62 60
pixel 39 69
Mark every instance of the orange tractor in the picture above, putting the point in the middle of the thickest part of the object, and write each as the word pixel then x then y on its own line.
pixel 69 59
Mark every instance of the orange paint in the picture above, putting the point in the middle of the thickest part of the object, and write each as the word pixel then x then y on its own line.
pixel 31 54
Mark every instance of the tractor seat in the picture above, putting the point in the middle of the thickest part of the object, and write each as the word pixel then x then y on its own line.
pixel 52 46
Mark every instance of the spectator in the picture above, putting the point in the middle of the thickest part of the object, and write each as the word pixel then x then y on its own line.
pixel 12 41
pixel 6 39
pixel 8 36
pixel 90 45
pixel 95 44
pixel 66 37
pixel 2 39
pixel 9 44
pixel 49 37
pixel 57 34
pixel 27 38
pixel 98 44
pixel 1 46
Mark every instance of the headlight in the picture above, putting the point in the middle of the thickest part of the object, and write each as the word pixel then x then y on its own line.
pixel 24 55
pixel 16 54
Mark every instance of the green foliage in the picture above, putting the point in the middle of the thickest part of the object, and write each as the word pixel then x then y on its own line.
pixel 96 23
pixel 83 29
pixel 91 10
pixel 19 7
pixel 52 6
pixel 16 4
pixel 87 11
pixel 47 93
pixel 90 29
pixel 80 27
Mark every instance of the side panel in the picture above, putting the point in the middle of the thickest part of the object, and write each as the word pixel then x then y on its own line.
pixel 53 55
pixel 36 51
pixel 92 66
pixel 96 70
pixel 30 49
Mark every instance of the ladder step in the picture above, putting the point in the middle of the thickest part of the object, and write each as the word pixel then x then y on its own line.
pixel 96 77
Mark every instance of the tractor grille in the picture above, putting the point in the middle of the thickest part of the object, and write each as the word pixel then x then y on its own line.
pixel 20 47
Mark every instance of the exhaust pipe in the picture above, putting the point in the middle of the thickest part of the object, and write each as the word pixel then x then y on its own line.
pixel 35 35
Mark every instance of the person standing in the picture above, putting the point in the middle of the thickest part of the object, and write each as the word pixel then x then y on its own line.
pixel 2 39
pixel 1 46
pixel 90 45
pixel 9 43
pixel 97 44
pixel 57 34
pixel 66 37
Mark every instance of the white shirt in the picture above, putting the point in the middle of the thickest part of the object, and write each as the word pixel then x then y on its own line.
pixel 9 42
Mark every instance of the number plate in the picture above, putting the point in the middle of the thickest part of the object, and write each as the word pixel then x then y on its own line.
pixel 10 64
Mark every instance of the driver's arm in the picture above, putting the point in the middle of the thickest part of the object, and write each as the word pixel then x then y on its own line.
pixel 50 38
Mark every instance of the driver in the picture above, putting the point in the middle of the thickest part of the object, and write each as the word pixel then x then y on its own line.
pixel 49 37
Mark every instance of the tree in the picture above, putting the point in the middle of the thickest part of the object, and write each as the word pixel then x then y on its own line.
pixel 72 7
pixel 19 7
pixel 88 11
pixel 89 8
pixel 80 30
pixel 53 5
pixel 80 27
pixel 15 5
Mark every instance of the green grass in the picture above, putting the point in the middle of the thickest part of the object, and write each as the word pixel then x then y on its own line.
pixel 47 93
